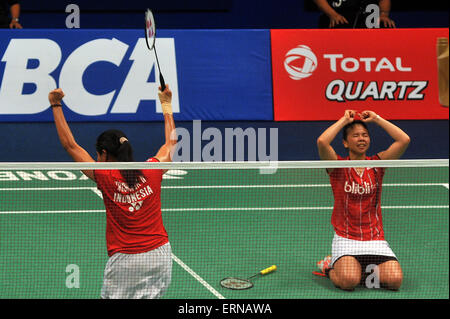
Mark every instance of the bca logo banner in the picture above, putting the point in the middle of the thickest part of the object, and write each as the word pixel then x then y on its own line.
pixel 104 76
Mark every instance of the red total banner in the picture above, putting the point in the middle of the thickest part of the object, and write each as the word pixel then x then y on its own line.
pixel 318 74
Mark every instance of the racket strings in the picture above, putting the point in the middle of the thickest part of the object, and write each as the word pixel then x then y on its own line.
pixel 236 283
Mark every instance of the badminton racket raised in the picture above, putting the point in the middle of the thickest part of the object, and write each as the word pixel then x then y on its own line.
pixel 150 37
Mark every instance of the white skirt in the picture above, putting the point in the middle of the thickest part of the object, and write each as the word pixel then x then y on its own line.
pixel 349 247
pixel 138 276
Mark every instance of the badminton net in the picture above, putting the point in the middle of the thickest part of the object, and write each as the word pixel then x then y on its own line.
pixel 228 219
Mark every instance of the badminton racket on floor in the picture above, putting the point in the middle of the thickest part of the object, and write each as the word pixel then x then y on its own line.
pixel 150 37
pixel 240 284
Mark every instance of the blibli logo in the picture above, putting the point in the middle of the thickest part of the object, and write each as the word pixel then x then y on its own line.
pixel 357 189
pixel 48 55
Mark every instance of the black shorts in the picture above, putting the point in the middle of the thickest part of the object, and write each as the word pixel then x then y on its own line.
pixel 366 260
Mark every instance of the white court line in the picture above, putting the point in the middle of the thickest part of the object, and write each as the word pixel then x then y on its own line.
pixel 296 185
pixel 221 186
pixel 200 209
pixel 45 188
pixel 216 209
pixel 197 277
pixel 52 211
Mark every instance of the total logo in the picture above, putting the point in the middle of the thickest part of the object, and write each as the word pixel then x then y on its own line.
pixel 300 63
pixel 49 70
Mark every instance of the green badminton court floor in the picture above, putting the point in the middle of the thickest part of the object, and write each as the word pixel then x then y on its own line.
pixel 220 223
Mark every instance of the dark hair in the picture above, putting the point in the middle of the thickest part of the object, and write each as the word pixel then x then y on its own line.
pixel 351 125
pixel 110 141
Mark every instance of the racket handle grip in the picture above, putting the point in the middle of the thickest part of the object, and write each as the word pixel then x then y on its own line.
pixel 163 83
pixel 268 270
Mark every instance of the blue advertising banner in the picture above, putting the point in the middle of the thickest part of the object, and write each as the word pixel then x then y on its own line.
pixel 110 75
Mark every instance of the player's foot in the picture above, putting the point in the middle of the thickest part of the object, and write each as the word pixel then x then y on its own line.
pixel 323 266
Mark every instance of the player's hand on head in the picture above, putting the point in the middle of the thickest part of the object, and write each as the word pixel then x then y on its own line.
pixel 56 96
pixel 368 116
pixel 349 115
pixel 166 95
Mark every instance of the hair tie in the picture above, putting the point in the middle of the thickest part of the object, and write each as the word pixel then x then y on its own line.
pixel 123 139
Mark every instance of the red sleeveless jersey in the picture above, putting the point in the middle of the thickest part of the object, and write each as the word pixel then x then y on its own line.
pixel 133 216
pixel 357 202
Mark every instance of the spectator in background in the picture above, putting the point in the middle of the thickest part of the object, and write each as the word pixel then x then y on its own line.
pixel 346 14
pixel 7 20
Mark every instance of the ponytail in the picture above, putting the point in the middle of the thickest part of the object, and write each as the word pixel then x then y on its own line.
pixel 115 143
pixel 124 152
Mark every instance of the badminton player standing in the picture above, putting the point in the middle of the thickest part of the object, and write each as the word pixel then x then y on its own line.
pixel 140 263
pixel 359 238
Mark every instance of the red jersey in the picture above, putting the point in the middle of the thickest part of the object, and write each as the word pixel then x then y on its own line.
pixel 357 202
pixel 133 216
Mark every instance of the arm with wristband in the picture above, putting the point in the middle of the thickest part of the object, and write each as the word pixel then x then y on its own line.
pixel 15 13
pixel 166 151
pixel 65 135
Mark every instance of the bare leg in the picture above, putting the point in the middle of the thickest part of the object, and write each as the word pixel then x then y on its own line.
pixel 391 275
pixel 346 273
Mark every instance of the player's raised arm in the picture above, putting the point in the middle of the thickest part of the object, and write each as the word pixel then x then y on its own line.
pixel 166 151
pixel 66 138
pixel 401 139
pixel 326 151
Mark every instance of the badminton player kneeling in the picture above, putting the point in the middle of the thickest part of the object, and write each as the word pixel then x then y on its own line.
pixel 140 263
pixel 359 238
